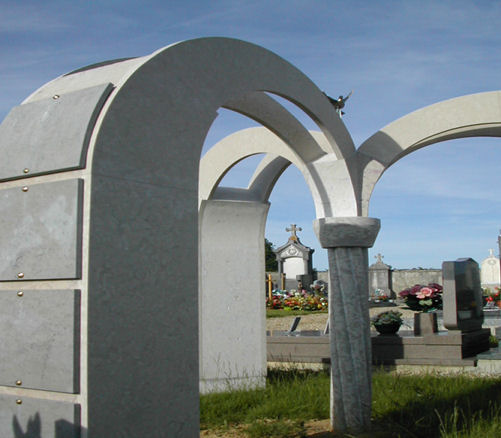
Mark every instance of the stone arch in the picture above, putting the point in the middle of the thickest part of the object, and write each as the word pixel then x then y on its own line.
pixel 237 357
pixel 121 188
pixel 474 115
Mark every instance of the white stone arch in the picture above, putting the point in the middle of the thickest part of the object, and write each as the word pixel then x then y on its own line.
pixel 124 140
pixel 237 358
pixel 475 115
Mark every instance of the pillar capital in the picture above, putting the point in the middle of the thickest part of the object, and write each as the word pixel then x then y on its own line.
pixel 356 231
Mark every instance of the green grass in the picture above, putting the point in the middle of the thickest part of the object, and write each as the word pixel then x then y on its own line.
pixel 280 313
pixel 403 406
pixel 295 395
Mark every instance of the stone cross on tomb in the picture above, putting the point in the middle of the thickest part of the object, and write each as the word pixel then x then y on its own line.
pixel 379 258
pixel 293 230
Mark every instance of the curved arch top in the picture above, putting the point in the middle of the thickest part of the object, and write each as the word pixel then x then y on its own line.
pixel 202 75
pixel 327 178
pixel 144 168
pixel 472 115
pixel 236 147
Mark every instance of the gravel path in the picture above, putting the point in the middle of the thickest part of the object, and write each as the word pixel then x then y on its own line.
pixel 317 321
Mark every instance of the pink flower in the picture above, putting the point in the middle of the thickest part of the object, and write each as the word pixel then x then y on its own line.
pixel 415 289
pixel 404 293
pixel 425 292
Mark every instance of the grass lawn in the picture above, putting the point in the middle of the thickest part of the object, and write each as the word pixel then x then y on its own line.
pixel 403 406
pixel 280 313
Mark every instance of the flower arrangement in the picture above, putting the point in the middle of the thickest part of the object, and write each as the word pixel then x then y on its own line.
pixel 423 298
pixel 275 303
pixel 492 297
pixel 297 301
pixel 379 296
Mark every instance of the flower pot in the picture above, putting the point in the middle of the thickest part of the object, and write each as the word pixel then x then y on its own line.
pixel 387 329
pixel 425 323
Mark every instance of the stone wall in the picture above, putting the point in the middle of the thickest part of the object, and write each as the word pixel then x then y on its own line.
pixel 400 278
pixel 404 278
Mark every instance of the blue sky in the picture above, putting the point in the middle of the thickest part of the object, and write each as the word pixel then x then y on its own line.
pixel 437 204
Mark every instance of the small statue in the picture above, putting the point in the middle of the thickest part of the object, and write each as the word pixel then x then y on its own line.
pixel 339 102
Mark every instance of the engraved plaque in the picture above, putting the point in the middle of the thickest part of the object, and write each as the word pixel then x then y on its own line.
pixel 40 231
pixel 50 134
pixel 40 339
pixel 36 418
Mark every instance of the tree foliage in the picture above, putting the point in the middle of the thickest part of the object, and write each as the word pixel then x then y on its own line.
pixel 271 263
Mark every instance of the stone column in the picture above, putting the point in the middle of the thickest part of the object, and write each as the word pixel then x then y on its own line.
pixel 347 240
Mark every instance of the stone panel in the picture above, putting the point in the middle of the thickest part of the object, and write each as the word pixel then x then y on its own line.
pixel 231 285
pixel 39 339
pixel 50 134
pixel 35 418
pixel 40 231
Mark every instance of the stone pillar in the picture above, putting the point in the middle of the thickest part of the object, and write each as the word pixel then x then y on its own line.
pixel 347 240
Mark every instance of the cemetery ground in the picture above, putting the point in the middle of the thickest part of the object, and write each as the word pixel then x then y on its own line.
pixel 295 402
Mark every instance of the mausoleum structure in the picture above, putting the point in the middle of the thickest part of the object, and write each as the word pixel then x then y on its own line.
pixel 295 260
pixel 490 272
pixel 104 200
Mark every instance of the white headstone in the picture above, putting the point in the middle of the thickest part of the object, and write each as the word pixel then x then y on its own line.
pixel 490 271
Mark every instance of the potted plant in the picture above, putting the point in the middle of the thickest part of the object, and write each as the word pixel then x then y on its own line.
pixel 425 300
pixel 387 323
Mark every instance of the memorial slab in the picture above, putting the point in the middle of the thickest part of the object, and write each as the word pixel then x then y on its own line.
pixel 50 134
pixel 39 339
pixel 35 418
pixel 40 231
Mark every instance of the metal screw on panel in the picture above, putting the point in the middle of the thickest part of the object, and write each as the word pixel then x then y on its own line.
pixel 19 401
pixel 26 170
pixel 20 293
pixel 20 275
pixel 19 383
pixel 56 96
pixel 25 189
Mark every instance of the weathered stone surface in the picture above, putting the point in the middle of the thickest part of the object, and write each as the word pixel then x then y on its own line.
pixel 350 338
pixel 40 339
pixel 232 346
pixel 40 231
pixel 346 231
pixel 50 134
pixel 38 418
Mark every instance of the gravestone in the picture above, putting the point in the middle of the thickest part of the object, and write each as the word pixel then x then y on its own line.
pixel 462 295
pixel 490 271
pixel 380 279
